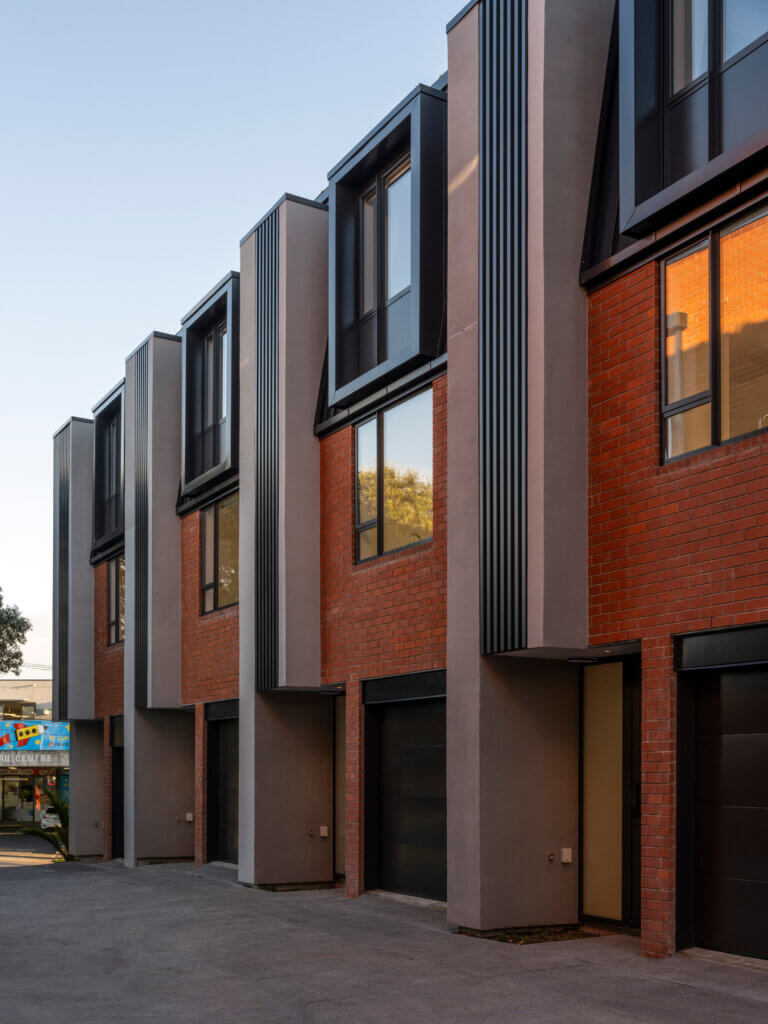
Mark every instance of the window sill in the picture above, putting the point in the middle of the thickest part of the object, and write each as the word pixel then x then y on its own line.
pixel 722 446
pixel 388 556
pixel 216 611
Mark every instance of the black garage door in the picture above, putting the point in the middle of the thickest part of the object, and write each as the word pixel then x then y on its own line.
pixel 730 812
pixel 222 811
pixel 405 798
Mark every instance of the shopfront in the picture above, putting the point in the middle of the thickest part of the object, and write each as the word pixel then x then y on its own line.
pixel 34 762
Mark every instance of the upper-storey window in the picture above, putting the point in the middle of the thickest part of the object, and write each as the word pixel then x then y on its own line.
pixel 393 453
pixel 219 549
pixel 108 471
pixel 116 600
pixel 715 339
pixel 692 74
pixel 387 250
pixel 209 336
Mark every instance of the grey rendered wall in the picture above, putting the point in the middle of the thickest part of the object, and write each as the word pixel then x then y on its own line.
pixel 303 329
pixel 286 739
pixel 247 605
pixel 293 744
pixel 86 789
pixel 567 43
pixel 512 725
pixel 164 604
pixel 80 670
pixel 162 784
pixel 159 744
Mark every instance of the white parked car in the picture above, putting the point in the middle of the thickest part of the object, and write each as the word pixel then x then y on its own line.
pixel 50 819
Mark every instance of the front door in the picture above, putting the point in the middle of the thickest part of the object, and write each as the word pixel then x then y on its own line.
pixel 610 792
pixel 118 803
pixel 222 790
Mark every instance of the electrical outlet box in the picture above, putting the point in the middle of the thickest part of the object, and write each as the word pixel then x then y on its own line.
pixel 190 816
pixel 566 855
pixel 323 831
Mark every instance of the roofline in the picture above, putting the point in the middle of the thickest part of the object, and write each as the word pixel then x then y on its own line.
pixel 426 89
pixel 207 297
pixel 72 419
pixel 109 396
pixel 286 197
pixel 152 334
pixel 461 15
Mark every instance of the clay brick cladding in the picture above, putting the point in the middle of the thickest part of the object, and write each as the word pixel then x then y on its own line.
pixel 383 617
pixel 107 661
pixel 209 643
pixel 209 660
pixel 672 548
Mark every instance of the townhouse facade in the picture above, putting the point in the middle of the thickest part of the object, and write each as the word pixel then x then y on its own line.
pixel 419 559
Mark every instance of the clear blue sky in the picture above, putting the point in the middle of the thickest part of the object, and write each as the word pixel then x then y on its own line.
pixel 139 142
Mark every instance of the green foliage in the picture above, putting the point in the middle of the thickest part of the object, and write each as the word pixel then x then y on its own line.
pixel 57 837
pixel 407 501
pixel 13 632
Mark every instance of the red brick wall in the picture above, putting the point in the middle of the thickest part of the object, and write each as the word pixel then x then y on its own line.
pixel 107 661
pixel 383 617
pixel 672 548
pixel 209 643
pixel 209 660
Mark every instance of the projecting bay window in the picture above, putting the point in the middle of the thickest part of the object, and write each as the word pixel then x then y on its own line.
pixel 715 339
pixel 393 453
pixel 387 208
pixel 219 561
pixel 116 600
pixel 210 355
pixel 108 472
pixel 692 78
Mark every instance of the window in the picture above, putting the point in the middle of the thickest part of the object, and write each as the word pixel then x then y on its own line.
pixel 694 92
pixel 386 204
pixel 209 412
pixel 716 320
pixel 384 227
pixel 744 21
pixel 690 41
pixel 210 388
pixel 108 470
pixel 116 600
pixel 394 478
pixel 219 531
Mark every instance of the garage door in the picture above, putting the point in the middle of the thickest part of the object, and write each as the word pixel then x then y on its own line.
pixel 731 812
pixel 406 798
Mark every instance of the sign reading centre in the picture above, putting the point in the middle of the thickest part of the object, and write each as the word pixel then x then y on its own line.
pixel 34 743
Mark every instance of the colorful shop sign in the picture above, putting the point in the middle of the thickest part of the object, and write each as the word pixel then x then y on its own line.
pixel 33 735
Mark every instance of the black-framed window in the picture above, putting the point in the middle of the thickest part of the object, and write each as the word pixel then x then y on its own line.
pixel 693 74
pixel 394 478
pixel 384 263
pixel 715 338
pixel 210 388
pixel 219 526
pixel 387 250
pixel 108 470
pixel 116 600
pixel 208 413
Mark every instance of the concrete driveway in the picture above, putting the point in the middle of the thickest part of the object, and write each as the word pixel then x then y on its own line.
pixel 20 851
pixel 175 943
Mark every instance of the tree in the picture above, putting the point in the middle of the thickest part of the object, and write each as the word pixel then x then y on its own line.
pixel 13 632
pixel 57 837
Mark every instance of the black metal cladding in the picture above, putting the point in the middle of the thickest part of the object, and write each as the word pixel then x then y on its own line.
pixel 61 488
pixel 141 497
pixel 503 325
pixel 266 452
